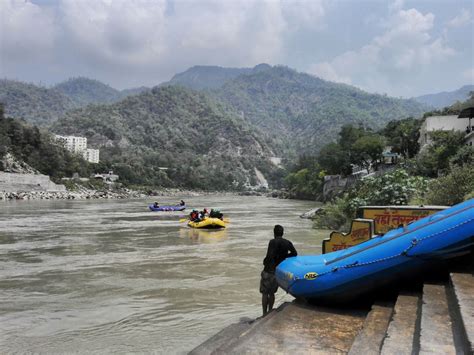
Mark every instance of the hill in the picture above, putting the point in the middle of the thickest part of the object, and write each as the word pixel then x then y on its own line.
pixel 446 98
pixel 42 106
pixel 33 103
pixel 37 149
pixel 211 77
pixel 83 91
pixel 173 136
pixel 303 112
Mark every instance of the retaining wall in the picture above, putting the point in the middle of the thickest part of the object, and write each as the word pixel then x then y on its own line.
pixel 12 182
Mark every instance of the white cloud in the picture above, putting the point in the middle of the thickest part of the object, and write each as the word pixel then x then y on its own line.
pixel 460 20
pixel 26 30
pixel 113 39
pixel 469 75
pixel 400 53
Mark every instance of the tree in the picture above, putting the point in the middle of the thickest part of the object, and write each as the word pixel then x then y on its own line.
pixel 367 151
pixel 437 155
pixel 334 160
pixel 403 136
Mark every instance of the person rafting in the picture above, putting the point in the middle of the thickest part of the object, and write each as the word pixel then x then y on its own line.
pixel 216 214
pixel 182 203
pixel 156 205
pixel 278 250
pixel 203 214
pixel 194 216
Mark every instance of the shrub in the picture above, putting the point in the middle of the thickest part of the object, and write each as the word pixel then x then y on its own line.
pixel 452 188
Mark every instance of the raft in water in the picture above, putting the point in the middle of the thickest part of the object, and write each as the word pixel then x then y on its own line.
pixel 346 274
pixel 167 208
pixel 208 223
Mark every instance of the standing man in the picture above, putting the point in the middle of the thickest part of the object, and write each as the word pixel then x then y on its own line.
pixel 279 249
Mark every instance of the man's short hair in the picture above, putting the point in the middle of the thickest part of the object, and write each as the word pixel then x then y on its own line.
pixel 278 231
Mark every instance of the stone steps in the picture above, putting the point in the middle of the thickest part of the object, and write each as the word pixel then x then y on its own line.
pixel 370 338
pixel 437 320
pixel 402 332
pixel 463 294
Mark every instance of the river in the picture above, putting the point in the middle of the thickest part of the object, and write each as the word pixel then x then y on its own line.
pixel 108 276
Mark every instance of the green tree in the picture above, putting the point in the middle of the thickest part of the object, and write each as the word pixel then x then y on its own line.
pixel 403 136
pixel 367 151
pixel 334 160
pixel 436 157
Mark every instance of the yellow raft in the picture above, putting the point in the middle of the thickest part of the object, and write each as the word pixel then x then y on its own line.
pixel 208 223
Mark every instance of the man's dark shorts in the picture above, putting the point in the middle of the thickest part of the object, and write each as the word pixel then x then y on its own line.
pixel 268 283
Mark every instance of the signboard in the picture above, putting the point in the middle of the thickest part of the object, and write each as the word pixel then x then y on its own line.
pixel 390 217
pixel 361 231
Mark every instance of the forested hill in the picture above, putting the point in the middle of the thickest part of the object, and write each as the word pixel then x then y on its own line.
pixel 33 103
pixel 446 98
pixel 211 77
pixel 172 136
pixel 306 112
pixel 84 91
pixel 41 106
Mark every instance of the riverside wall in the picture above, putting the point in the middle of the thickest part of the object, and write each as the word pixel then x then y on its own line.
pixel 14 182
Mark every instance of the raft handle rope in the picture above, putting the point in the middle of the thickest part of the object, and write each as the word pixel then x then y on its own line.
pixel 413 244
pixel 400 235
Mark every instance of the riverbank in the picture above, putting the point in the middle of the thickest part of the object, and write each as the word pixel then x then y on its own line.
pixel 70 195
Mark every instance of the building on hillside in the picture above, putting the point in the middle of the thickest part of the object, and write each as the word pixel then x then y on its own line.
pixel 72 143
pixel 441 123
pixel 78 145
pixel 107 177
pixel 91 155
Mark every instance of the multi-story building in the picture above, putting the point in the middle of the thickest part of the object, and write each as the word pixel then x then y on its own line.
pixel 441 123
pixel 91 155
pixel 78 145
pixel 73 144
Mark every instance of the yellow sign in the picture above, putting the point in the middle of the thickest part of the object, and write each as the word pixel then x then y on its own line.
pixel 361 231
pixel 390 217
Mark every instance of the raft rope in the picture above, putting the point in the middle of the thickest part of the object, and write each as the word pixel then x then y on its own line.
pixel 413 244
pixel 388 239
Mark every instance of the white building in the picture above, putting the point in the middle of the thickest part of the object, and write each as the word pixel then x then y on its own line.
pixel 441 123
pixel 73 144
pixel 78 145
pixel 91 155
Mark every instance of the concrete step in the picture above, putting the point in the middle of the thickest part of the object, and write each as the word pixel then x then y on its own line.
pixel 222 338
pixel 463 287
pixel 370 338
pixel 436 333
pixel 298 329
pixel 401 335
pixel 231 334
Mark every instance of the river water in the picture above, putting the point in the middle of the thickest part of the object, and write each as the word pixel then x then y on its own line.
pixel 111 277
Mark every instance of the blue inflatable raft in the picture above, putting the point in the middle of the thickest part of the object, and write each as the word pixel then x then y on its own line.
pixel 343 275
pixel 167 208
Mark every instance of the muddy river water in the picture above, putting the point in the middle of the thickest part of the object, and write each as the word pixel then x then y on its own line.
pixel 112 277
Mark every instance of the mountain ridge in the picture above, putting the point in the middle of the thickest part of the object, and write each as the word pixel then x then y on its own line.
pixel 446 98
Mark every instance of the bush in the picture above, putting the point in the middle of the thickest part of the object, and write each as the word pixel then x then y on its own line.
pixel 395 188
pixel 334 216
pixel 452 188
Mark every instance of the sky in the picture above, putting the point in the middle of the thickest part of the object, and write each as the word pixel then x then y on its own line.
pixel 398 47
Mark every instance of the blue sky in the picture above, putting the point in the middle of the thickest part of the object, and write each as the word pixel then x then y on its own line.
pixel 401 48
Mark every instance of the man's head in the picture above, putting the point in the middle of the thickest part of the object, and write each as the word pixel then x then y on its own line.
pixel 278 231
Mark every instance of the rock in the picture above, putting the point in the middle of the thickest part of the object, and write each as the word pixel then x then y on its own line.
pixel 311 213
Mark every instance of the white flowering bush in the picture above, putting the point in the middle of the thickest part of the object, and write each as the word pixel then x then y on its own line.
pixel 394 188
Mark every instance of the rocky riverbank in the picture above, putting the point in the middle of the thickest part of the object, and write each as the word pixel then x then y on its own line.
pixel 70 195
